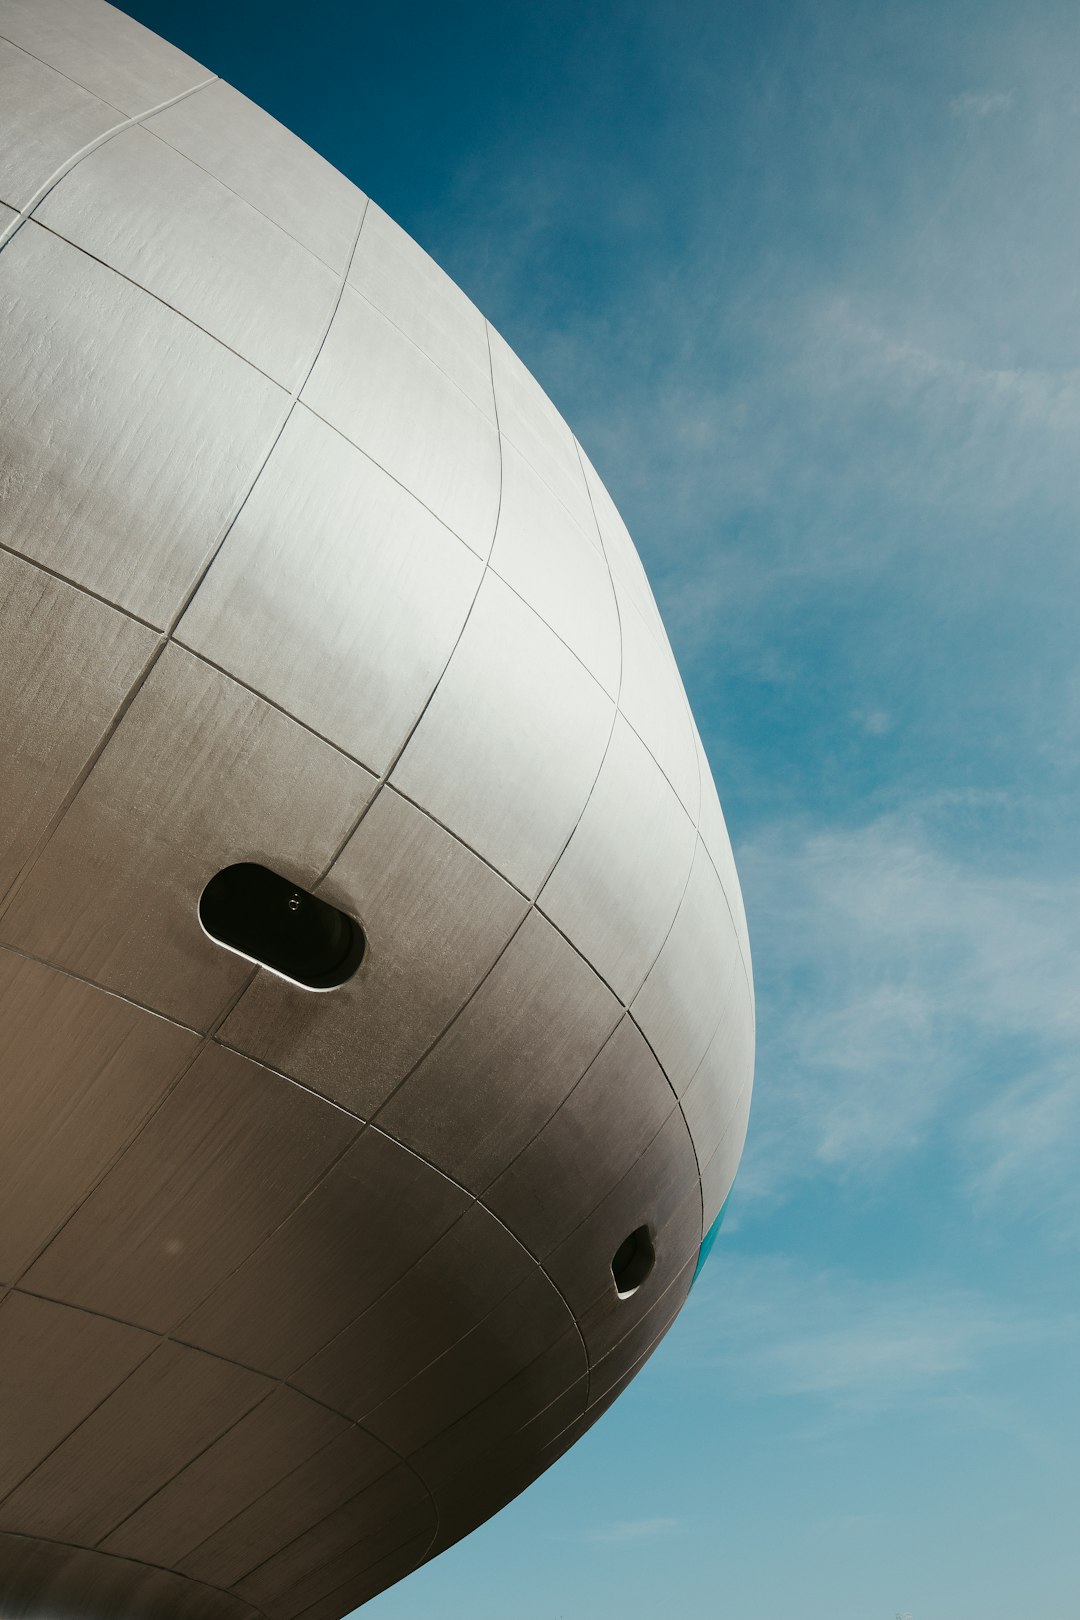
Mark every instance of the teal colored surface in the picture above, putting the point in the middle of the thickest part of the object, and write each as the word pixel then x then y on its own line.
pixel 708 1240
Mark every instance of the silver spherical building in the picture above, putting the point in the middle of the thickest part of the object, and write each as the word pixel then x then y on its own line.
pixel 300 571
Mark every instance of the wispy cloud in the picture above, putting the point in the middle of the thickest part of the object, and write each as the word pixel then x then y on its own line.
pixel 903 982
pixel 981 103
pixel 634 1530
pixel 771 1326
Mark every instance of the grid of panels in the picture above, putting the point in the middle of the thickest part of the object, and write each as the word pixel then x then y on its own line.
pixel 393 640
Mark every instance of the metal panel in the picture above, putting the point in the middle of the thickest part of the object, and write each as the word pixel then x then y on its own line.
pixel 168 1410
pixel 510 1338
pixel 300 1501
pixel 619 881
pixel 107 401
pixel 661 1192
pixel 221 777
pixel 159 219
pixel 229 1154
pixel 719 1174
pixel 278 1435
pixel 266 164
pixel 350 629
pixel 81 1071
pixel 507 1062
pixel 99 47
pixel 394 1567
pixel 392 1511
pixel 375 386
pixel 678 1006
pixel 558 568
pixel 74 1583
pixel 653 700
pixel 56 1365
pixel 486 1482
pixel 66 663
pixel 625 1358
pixel 509 747
pixel 433 1305
pixel 481 1435
pixel 714 835
pixel 725 1072
pixel 533 425
pixel 409 288
pixel 435 918
pixel 44 120
pixel 621 552
pixel 587 1146
pixel 330 1260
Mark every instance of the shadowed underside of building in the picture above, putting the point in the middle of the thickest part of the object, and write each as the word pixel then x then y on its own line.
pixel 315 1247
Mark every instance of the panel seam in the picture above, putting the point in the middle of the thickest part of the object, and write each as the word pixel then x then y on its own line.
pixel 70 163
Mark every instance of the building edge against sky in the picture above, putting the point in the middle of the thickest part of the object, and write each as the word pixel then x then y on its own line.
pixel 303 573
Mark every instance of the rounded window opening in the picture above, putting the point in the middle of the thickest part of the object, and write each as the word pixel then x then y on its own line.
pixel 634 1259
pixel 265 918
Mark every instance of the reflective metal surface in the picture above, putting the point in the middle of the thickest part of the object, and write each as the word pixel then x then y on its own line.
pixel 301 569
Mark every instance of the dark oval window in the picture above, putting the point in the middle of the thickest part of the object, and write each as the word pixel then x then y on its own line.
pixel 634 1259
pixel 251 910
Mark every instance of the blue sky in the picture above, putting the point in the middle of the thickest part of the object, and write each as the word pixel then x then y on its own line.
pixel 804 279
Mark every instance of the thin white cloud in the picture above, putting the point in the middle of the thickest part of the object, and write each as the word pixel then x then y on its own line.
pixel 770 1326
pixel 981 103
pixel 634 1530
pixel 910 993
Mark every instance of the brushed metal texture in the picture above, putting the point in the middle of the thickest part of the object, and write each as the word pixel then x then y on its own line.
pixel 719 1173
pixel 534 427
pixel 226 1158
pixel 443 1296
pixel 98 446
pixel 587 1146
pixel 435 917
pixel 330 1259
pixel 44 118
pixel 551 1366
pixel 509 747
pixel 678 1007
pixel 714 835
pixel 393 642
pixel 652 699
pixel 170 1408
pixel 143 208
pixel 393 1511
pixel 76 1583
pixel 509 1059
pixel 56 1366
pixel 397 276
pixel 339 568
pixel 199 774
pixel 724 1073
pixel 618 884
pixel 334 1476
pixel 67 662
pixel 266 164
pixel 530 1319
pixel 623 560
pixel 409 417
pixel 658 1191
pixel 102 49
pixel 80 1073
pixel 274 1438
pixel 558 568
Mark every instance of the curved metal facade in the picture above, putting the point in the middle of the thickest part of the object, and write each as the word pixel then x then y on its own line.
pixel 300 566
